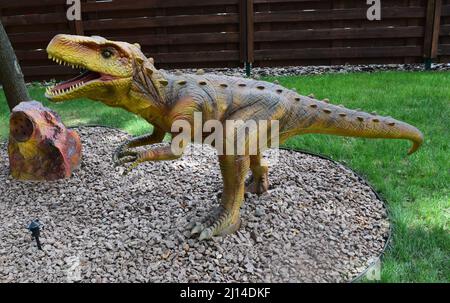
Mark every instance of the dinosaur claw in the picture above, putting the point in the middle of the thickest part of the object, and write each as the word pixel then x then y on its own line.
pixel 218 223
pixel 127 157
pixel 197 228
pixel 131 167
pixel 206 234
pixel 190 225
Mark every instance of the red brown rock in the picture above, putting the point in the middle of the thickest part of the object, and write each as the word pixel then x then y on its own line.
pixel 40 147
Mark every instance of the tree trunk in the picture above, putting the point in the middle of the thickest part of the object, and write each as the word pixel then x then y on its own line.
pixel 11 76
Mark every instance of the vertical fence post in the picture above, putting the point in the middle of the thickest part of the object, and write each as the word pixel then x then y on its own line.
pixel 242 32
pixel 436 29
pixel 432 27
pixel 246 34
pixel 250 38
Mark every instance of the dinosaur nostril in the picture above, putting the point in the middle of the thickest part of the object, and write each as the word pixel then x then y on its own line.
pixel 21 127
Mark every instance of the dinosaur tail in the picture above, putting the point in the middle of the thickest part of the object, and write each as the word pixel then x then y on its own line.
pixel 337 120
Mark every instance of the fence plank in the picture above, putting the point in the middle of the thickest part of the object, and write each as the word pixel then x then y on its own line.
pixel 243 31
pixel 50 18
pixel 337 14
pixel 178 39
pixel 29 3
pixel 151 4
pixel 339 33
pixel 338 52
pixel 132 23
pixel 250 32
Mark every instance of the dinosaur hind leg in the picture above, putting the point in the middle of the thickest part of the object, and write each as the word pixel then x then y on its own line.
pixel 227 220
pixel 258 182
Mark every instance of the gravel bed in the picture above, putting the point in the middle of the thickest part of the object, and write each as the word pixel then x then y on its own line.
pixel 318 223
pixel 258 72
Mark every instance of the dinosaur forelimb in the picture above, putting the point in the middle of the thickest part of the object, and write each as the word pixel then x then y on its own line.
pixel 123 150
pixel 154 153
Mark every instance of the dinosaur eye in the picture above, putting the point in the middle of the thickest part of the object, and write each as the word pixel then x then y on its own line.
pixel 106 53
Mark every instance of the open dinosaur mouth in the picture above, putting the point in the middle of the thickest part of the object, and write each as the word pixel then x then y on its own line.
pixel 69 86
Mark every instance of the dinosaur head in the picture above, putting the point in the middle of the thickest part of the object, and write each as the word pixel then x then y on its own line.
pixel 107 68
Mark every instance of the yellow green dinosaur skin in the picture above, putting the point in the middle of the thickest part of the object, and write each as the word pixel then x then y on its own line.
pixel 122 76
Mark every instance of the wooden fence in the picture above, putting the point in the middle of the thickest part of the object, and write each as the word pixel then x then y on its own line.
pixel 228 33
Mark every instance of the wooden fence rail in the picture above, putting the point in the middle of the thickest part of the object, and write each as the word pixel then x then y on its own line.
pixel 232 33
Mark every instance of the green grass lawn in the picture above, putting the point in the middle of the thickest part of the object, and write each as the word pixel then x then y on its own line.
pixel 415 187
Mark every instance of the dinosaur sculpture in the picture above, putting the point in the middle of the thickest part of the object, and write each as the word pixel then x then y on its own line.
pixel 118 74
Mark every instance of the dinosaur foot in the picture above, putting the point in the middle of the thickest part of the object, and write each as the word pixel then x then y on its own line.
pixel 257 186
pixel 220 223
